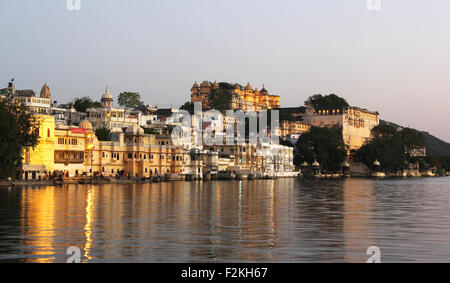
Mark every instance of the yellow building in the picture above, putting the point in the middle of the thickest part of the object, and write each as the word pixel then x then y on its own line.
pixel 78 151
pixel 246 99
pixel 38 161
pixel 356 123
pixel 293 127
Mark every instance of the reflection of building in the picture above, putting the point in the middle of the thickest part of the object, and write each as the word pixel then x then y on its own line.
pixel 356 123
pixel 247 99
pixel 114 119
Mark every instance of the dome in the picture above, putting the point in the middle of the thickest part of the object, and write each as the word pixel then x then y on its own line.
pixel 134 130
pixel 86 125
pixel 195 85
pixel 248 87
pixel 45 92
pixel 205 84
pixel 107 95
pixel 376 163
pixel 305 164
pixel 316 164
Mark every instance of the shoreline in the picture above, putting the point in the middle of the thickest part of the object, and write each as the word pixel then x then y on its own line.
pixel 106 181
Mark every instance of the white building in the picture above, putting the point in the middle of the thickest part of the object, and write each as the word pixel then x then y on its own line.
pixel 114 119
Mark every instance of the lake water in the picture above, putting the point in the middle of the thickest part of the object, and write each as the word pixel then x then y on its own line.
pixel 285 220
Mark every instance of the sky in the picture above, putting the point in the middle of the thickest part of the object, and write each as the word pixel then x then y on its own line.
pixel 395 60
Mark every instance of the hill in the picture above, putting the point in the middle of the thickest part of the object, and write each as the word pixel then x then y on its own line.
pixel 435 146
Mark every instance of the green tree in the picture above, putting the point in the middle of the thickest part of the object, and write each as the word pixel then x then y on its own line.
pixel 386 146
pixel 327 102
pixel 189 107
pixel 103 134
pixel 85 102
pixel 19 130
pixel 220 99
pixel 326 145
pixel 413 141
pixel 130 100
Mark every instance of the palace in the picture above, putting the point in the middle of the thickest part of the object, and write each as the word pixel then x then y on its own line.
pixel 246 99
pixel 356 123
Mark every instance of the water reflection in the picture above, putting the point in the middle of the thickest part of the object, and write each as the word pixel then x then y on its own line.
pixel 286 220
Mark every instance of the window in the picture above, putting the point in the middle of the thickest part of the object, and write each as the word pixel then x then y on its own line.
pixel 48 133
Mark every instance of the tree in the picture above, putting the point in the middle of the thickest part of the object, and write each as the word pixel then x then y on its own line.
pixel 326 145
pixel 19 130
pixel 103 134
pixel 130 100
pixel 81 104
pixel 189 107
pixel 327 102
pixel 220 99
pixel 286 143
pixel 413 141
pixel 386 146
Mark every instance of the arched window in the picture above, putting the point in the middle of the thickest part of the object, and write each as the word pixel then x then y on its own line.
pixel 48 133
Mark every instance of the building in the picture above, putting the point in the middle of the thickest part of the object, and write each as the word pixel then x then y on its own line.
pixel 71 147
pixel 38 161
pixel 246 99
pixel 114 119
pixel 293 127
pixel 39 105
pixel 133 153
pixel 263 160
pixel 356 123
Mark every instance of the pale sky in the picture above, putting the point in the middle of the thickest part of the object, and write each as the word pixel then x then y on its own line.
pixel 395 61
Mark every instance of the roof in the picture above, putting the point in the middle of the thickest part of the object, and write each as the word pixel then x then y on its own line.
pixel 26 93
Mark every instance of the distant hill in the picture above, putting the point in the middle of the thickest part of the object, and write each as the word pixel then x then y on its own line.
pixel 435 146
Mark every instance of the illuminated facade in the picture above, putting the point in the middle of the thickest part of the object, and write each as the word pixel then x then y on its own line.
pixel 293 127
pixel 356 123
pixel 246 99
pixel 39 160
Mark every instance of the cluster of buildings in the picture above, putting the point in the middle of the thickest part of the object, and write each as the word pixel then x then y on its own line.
pixel 140 144
pixel 356 123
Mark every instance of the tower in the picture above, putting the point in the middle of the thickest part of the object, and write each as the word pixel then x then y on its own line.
pixel 107 99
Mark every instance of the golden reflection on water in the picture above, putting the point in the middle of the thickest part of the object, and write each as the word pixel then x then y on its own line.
pixel 253 221
pixel 89 220
pixel 358 231
pixel 38 223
